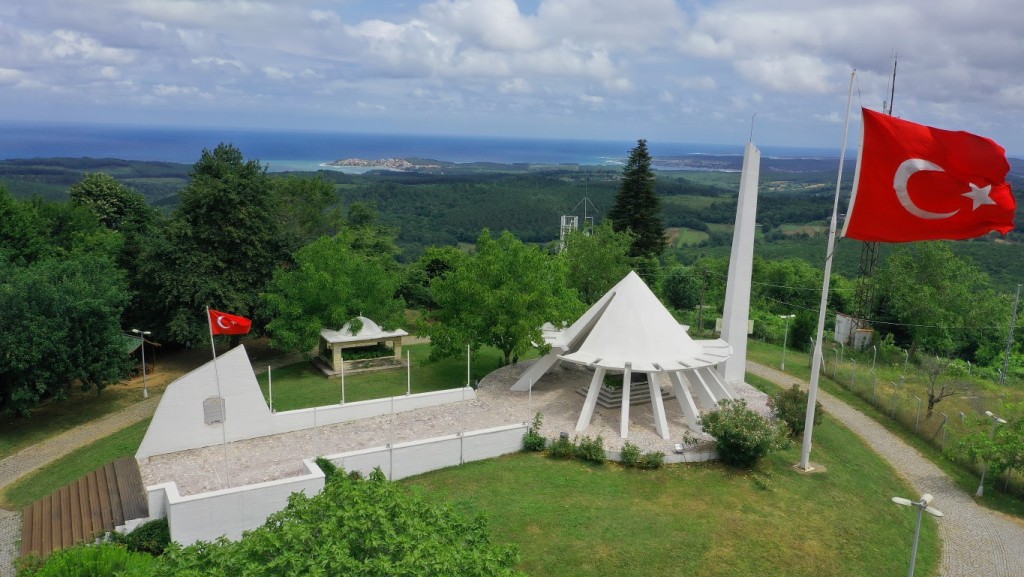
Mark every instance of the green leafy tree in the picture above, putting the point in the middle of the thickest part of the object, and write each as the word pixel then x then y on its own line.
pixel 436 261
pixel 681 287
pixel 220 247
pixel 597 261
pixel 353 527
pixel 59 324
pixel 305 209
pixel 941 303
pixel 637 206
pixel 114 204
pixel 331 284
pixel 500 296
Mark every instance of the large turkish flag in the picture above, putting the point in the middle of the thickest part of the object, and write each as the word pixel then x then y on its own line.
pixel 228 324
pixel 915 182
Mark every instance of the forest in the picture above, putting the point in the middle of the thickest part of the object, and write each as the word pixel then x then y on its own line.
pixel 91 248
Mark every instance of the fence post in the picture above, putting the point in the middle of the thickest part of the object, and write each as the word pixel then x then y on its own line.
pixel 917 420
pixel 942 445
pixel 895 388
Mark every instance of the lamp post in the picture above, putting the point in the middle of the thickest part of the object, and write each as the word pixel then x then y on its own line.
pixel 785 335
pixel 142 345
pixel 991 434
pixel 922 506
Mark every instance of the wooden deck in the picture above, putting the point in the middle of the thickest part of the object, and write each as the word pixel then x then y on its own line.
pixel 91 506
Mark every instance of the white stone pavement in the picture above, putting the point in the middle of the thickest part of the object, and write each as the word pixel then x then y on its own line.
pixel 976 541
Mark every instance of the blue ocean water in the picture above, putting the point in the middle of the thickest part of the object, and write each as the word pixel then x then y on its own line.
pixel 305 150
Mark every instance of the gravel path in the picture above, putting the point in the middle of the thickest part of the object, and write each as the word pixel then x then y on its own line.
pixel 27 460
pixel 975 541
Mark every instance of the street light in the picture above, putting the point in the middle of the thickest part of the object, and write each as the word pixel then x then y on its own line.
pixel 991 434
pixel 922 506
pixel 785 334
pixel 142 345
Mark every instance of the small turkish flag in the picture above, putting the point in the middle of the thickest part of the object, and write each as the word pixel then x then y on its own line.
pixel 227 324
pixel 915 182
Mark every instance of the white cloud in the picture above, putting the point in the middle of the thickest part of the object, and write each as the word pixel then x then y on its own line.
pixel 174 90
pixel 701 83
pixel 514 86
pixel 275 73
pixel 791 73
pixel 9 76
pixel 71 45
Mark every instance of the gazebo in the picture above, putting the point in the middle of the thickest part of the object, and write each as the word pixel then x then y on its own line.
pixel 629 330
pixel 331 355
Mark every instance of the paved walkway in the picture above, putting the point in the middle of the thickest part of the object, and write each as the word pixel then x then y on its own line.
pixel 975 540
pixel 27 460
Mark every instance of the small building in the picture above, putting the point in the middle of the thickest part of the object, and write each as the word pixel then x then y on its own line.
pixel 370 348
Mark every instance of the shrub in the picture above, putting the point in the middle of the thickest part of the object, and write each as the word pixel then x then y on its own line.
pixel 100 560
pixel 652 460
pixel 331 471
pixel 532 440
pixel 742 436
pixel 562 448
pixel 151 537
pixel 630 455
pixel 790 406
pixel 591 450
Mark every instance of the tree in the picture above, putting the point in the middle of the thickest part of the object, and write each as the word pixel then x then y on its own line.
pixel 220 247
pixel 597 261
pixel 305 209
pixel 682 287
pixel 500 296
pixel 940 303
pixel 637 206
pixel 331 284
pixel 933 369
pixel 59 323
pixel 114 204
pixel 353 527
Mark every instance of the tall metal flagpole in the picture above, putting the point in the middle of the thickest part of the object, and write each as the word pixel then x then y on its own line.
pixel 224 412
pixel 812 390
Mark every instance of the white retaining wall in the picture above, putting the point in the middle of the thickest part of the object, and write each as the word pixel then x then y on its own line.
pixel 178 423
pixel 228 512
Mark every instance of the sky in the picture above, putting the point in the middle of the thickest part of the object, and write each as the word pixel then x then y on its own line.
pixel 680 71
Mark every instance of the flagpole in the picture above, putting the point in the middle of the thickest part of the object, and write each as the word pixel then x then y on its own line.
pixel 224 412
pixel 812 390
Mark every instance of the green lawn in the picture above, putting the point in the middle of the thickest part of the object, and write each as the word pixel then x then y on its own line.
pixel 302 385
pixel 797 364
pixel 570 518
pixel 77 464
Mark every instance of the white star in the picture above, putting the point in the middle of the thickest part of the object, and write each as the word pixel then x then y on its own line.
pixel 980 195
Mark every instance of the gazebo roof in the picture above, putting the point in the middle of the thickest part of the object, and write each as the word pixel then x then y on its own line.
pixel 370 331
pixel 630 325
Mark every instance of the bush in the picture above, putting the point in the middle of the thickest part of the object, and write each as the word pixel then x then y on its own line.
pixel 591 450
pixel 630 455
pixel 331 471
pixel 151 537
pixel 532 440
pixel 101 560
pixel 790 406
pixel 742 436
pixel 562 448
pixel 652 460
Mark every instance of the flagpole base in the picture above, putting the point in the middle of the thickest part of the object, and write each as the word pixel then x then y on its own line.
pixel 811 468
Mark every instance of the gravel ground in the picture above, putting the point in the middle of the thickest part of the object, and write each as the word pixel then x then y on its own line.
pixel 554 396
pixel 975 541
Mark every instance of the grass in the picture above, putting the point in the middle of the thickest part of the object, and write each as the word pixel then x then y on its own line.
pixel 570 518
pixel 76 464
pixel 797 364
pixel 302 385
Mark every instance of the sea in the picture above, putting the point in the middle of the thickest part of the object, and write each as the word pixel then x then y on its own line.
pixel 293 150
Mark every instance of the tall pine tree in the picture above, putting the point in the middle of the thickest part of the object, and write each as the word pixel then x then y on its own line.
pixel 637 206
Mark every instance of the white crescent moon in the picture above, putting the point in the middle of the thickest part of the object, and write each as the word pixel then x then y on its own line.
pixel 220 323
pixel 899 184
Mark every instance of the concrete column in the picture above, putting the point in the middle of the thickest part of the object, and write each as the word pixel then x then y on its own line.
pixel 657 406
pixel 741 267
pixel 685 400
pixel 588 405
pixel 627 378
pixel 707 398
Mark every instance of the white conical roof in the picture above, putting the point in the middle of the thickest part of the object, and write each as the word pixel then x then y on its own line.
pixel 370 330
pixel 630 325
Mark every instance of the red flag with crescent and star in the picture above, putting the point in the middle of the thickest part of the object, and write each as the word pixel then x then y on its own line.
pixel 915 182
pixel 228 324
